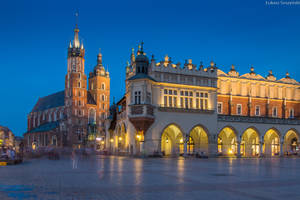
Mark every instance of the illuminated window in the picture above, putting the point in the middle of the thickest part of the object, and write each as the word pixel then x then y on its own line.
pixel 170 98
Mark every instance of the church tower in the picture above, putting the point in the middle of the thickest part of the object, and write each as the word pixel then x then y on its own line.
pixel 99 88
pixel 76 93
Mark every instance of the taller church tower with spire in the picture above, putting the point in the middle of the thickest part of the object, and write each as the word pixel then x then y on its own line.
pixel 76 92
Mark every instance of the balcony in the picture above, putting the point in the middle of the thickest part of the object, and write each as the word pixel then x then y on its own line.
pixel 264 120
pixel 141 110
pixel 165 108
pixel 141 116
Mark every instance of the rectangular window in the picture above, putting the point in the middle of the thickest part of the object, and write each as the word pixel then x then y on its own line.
pixel 175 101
pixel 166 91
pixel 181 102
pixel 257 110
pixel 220 108
pixel 239 109
pixel 186 103
pixel 139 97
pixel 274 112
pixel 170 101
pixel 165 101
pixel 201 104
pixel 175 92
pixel 197 104
pixel 205 104
pixel 170 92
pixel 191 103
pixel 291 113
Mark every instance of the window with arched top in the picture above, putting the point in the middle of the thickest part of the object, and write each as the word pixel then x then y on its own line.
pixel 50 117
pixel 79 84
pixel 103 86
pixel 55 116
pixel 92 116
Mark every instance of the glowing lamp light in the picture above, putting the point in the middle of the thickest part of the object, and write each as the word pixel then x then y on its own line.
pixel 181 140
pixel 111 140
pixel 167 140
pixel 98 138
pixel 138 137
pixel 120 138
pixel 230 151
pixel 102 142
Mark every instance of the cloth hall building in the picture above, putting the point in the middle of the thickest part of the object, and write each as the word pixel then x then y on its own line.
pixel 75 116
pixel 172 109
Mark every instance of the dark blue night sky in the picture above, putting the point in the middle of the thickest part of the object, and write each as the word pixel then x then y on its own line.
pixel 35 36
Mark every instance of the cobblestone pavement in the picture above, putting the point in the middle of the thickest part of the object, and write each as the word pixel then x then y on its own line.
pixel 119 178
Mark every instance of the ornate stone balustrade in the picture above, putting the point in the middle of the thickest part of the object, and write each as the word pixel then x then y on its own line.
pixel 265 120
pixel 141 110
pixel 165 108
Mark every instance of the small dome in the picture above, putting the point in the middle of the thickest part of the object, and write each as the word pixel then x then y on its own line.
pixel 142 58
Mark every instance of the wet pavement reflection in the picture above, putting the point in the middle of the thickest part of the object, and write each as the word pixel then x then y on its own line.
pixel 104 177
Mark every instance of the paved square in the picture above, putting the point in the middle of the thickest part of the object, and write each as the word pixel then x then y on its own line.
pixel 117 178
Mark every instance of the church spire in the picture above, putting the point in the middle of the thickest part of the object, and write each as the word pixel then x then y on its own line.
pixel 76 42
pixel 99 58
pixel 132 56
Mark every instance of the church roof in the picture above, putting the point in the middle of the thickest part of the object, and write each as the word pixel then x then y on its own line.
pixel 90 99
pixel 45 127
pixel 51 101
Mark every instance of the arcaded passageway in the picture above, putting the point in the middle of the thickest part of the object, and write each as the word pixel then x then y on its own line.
pixel 227 142
pixel 291 142
pixel 198 141
pixel 172 141
pixel 271 143
pixel 250 143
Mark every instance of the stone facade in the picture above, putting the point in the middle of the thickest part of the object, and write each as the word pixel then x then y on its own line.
pixel 75 116
pixel 172 109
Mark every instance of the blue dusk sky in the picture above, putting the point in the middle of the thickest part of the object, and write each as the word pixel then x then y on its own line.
pixel 35 36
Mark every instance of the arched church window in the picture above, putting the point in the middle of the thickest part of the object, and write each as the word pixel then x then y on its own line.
pixel 92 116
pixel 79 84
pixel 55 116
pixel 103 86
pixel 50 117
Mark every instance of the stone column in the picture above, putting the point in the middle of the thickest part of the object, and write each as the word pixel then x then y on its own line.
pixel 281 149
pixel 261 149
pixel 238 149
pixel 185 148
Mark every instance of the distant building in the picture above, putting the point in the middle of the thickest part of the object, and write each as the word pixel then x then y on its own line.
pixel 75 116
pixel 6 137
pixel 173 109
